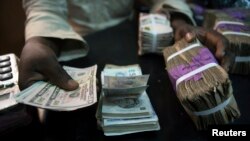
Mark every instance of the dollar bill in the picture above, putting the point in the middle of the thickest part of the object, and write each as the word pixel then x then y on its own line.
pixel 48 96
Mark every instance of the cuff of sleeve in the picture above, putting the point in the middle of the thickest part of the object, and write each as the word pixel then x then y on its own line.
pixel 76 46
pixel 175 6
pixel 73 49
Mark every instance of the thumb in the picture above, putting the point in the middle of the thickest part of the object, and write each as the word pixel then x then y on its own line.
pixel 58 76
pixel 190 36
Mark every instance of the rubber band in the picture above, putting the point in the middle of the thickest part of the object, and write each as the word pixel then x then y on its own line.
pixel 183 50
pixel 226 22
pixel 215 109
pixel 192 73
pixel 242 59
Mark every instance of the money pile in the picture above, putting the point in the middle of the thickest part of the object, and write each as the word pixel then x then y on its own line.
pixel 155 33
pixel 234 24
pixel 116 87
pixel 127 112
pixel 201 85
pixel 48 96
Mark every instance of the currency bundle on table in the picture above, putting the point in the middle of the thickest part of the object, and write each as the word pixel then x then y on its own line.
pixel 234 24
pixel 124 106
pixel 202 86
pixel 48 96
pixel 155 33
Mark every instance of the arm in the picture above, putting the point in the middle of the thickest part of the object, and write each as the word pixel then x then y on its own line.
pixel 47 32
pixel 185 27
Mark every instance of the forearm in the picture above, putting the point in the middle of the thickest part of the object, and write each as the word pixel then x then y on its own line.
pixel 47 19
pixel 53 43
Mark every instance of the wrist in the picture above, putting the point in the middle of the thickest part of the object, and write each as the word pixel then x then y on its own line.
pixel 177 23
pixel 52 43
pixel 178 19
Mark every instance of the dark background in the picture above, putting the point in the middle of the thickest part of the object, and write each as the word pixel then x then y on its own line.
pixel 117 45
pixel 12 19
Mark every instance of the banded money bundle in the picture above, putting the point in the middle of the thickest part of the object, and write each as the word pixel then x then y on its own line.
pixel 123 112
pixel 48 96
pixel 201 85
pixel 117 87
pixel 234 24
pixel 155 33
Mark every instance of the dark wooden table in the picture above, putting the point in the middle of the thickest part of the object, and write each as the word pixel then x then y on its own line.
pixel 118 45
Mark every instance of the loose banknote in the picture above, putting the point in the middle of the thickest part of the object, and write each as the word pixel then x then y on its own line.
pixel 48 96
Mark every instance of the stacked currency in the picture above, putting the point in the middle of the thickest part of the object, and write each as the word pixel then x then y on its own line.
pixel 202 86
pixel 48 96
pixel 125 113
pixel 234 24
pixel 155 33
pixel 120 87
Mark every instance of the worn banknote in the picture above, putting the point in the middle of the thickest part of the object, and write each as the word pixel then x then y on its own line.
pixel 46 95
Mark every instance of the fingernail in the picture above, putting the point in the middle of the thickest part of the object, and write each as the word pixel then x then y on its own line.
pixel 188 37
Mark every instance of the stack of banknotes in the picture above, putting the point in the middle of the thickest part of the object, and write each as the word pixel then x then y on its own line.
pixel 155 33
pixel 202 86
pixel 48 96
pixel 234 24
pixel 124 106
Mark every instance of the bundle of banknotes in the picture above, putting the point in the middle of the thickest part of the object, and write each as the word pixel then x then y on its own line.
pixel 234 24
pixel 202 86
pixel 123 109
pixel 48 96
pixel 155 33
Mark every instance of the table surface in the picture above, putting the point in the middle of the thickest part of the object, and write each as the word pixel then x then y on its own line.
pixel 118 45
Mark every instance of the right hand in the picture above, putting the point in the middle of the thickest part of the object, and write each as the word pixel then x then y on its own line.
pixel 216 42
pixel 38 61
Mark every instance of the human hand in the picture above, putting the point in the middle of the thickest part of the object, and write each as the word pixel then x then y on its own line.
pixel 38 61
pixel 212 39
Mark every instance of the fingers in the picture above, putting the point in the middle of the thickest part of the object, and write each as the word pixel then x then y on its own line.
pixel 186 31
pixel 227 60
pixel 28 78
pixel 189 37
pixel 38 61
pixel 27 74
pixel 52 72
pixel 58 76
pixel 216 42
